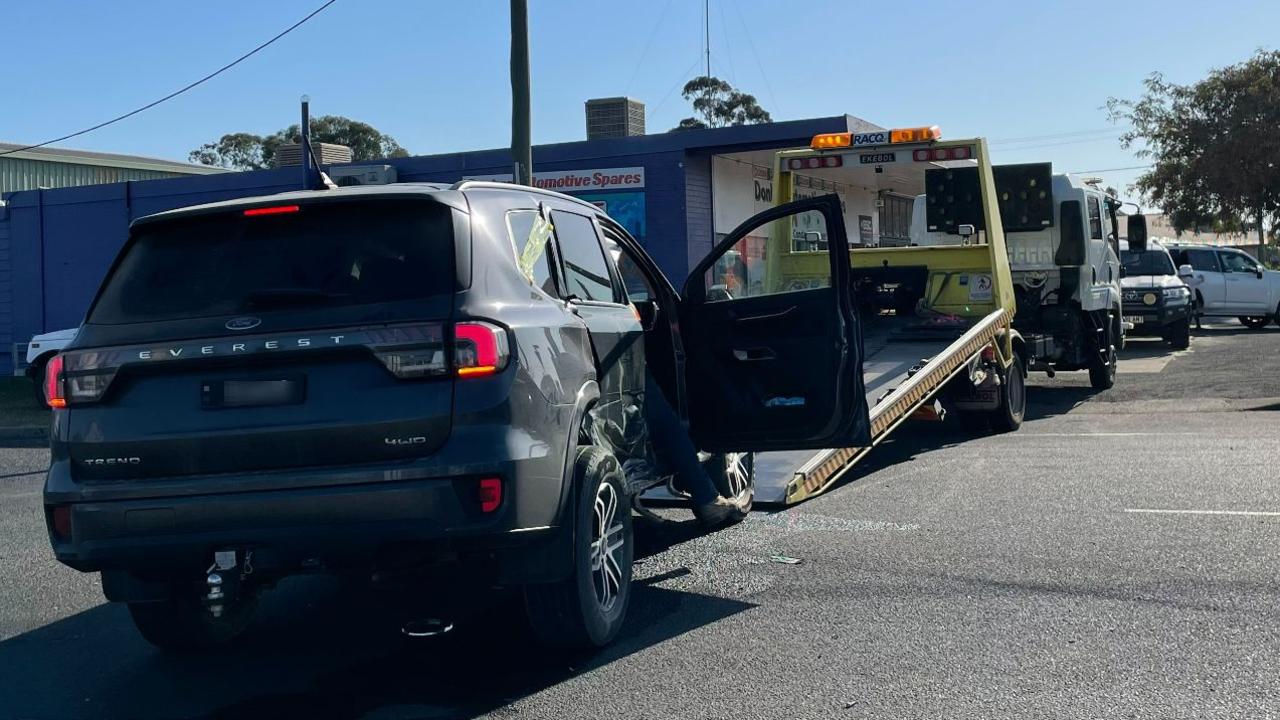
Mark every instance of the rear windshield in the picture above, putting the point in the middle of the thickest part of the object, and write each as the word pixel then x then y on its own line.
pixel 1148 262
pixel 333 254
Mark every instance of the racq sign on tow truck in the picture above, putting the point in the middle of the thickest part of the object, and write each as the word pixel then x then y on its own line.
pixel 624 178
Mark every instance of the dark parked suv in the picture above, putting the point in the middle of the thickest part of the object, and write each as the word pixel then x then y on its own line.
pixel 379 380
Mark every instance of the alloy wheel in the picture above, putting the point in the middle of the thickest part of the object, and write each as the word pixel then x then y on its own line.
pixel 607 541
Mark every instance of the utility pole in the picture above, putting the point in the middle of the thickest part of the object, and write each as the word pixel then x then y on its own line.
pixel 706 27
pixel 521 142
pixel 305 127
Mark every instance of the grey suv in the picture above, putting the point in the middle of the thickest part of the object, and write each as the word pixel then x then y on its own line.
pixel 381 380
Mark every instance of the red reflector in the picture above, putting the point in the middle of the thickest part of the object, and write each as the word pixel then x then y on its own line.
pixel 273 210
pixel 490 494
pixel 53 383
pixel 921 156
pixel 60 519
pixel 960 153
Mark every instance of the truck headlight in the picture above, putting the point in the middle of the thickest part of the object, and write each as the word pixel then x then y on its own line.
pixel 1176 295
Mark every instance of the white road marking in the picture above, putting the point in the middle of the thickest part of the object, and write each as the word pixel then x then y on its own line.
pixel 1100 434
pixel 1250 513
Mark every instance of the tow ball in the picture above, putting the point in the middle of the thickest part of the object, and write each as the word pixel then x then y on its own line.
pixel 224 579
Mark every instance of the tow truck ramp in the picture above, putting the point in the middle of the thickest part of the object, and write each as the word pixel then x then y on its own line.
pixel 901 375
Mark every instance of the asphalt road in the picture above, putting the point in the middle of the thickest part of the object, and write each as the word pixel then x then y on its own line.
pixel 1034 574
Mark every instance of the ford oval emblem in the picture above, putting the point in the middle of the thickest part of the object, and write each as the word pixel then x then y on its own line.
pixel 243 323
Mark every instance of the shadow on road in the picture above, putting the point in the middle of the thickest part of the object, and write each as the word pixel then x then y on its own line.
pixel 318 650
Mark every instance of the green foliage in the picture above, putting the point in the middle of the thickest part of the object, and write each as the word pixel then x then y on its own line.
pixel 246 151
pixel 718 104
pixel 1213 144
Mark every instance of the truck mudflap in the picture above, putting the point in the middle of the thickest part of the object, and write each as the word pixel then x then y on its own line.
pixel 787 478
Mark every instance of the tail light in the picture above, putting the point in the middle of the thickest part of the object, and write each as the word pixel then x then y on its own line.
pixel 989 353
pixel 411 352
pixel 490 494
pixel 479 349
pixel 53 383
pixel 86 375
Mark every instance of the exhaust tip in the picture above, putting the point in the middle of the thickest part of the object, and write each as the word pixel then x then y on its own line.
pixel 425 627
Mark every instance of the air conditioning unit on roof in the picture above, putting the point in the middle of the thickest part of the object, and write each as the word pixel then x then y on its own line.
pixel 290 155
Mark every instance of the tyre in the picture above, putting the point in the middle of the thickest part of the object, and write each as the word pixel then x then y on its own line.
pixel 586 609
pixel 734 475
pixel 185 625
pixel 1254 322
pixel 1013 399
pixel 1102 365
pixel 1179 335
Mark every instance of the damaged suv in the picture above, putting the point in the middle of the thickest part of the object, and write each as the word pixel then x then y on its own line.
pixel 406 377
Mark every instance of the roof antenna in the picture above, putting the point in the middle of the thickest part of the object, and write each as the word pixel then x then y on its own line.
pixel 309 159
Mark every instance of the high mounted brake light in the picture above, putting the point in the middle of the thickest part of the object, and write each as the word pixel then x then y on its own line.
pixel 271 210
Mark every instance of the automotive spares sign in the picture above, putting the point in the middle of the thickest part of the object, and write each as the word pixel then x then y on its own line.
pixel 571 181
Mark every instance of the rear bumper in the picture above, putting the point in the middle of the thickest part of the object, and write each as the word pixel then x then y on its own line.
pixel 426 520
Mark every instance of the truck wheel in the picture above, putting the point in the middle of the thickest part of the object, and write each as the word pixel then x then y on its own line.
pixel 1179 334
pixel 1254 322
pixel 1102 365
pixel 1013 399
pixel 734 475
pixel 183 624
pixel 586 609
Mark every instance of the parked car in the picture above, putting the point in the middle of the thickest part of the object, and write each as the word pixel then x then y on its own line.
pixel 1227 282
pixel 401 381
pixel 39 349
pixel 1156 300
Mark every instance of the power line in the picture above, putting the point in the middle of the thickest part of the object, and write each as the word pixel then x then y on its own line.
pixel 648 44
pixel 1115 169
pixel 176 93
pixel 683 79
pixel 1078 141
pixel 1059 136
pixel 752 45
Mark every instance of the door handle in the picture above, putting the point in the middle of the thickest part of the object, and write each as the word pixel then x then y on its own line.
pixel 755 354
pixel 767 316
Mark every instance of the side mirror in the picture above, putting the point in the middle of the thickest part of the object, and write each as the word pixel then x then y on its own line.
pixel 1259 273
pixel 1123 272
pixel 1138 233
pixel 1185 271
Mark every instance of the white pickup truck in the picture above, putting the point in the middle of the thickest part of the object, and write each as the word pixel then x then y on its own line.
pixel 1227 282
pixel 39 350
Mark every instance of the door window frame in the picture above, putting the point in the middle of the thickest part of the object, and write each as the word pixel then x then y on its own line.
pixel 615 281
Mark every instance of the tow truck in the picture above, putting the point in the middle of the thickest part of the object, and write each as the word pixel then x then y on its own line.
pixel 1062 234
pixel 934 324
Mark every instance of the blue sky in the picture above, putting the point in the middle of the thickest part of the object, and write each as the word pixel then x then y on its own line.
pixel 434 74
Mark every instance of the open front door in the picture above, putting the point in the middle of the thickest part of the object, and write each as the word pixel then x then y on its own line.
pixel 772 344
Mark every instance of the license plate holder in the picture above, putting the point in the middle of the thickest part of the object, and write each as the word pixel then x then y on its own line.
pixel 253 392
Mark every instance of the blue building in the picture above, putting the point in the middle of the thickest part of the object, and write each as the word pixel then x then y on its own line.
pixel 675 191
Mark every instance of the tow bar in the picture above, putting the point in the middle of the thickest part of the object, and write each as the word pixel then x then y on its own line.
pixel 222 585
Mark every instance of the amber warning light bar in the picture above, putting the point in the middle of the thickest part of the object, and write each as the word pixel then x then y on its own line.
pixel 835 141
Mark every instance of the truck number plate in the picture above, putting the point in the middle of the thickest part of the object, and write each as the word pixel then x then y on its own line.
pixel 1135 319
pixel 877 158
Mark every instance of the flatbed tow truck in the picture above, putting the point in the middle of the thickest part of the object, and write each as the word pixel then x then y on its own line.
pixel 935 322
